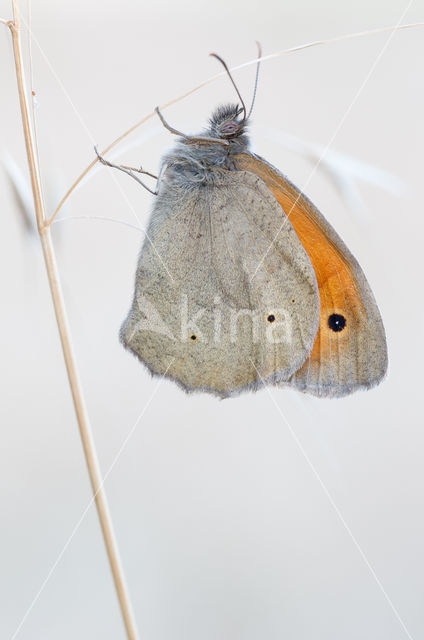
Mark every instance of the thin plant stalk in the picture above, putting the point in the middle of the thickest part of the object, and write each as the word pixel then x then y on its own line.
pixel 308 45
pixel 65 337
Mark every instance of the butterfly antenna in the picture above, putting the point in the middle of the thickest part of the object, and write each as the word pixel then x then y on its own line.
pixel 256 79
pixel 215 55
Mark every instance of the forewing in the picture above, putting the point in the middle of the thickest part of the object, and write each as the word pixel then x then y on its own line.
pixel 350 349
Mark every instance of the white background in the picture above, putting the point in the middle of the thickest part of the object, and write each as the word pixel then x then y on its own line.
pixel 224 529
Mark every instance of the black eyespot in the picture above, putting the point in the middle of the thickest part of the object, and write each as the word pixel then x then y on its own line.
pixel 293 300
pixel 336 322
pixel 193 337
pixel 271 318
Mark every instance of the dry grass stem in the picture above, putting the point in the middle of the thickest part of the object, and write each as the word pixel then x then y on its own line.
pixel 301 47
pixel 65 337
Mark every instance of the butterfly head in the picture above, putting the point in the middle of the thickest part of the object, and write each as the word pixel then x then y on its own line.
pixel 226 122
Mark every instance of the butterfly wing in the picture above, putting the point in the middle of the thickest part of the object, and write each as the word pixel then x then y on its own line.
pixel 218 305
pixel 349 352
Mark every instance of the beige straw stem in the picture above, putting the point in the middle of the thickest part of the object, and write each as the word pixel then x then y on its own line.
pixel 65 337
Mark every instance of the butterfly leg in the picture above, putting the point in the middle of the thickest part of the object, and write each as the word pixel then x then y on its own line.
pixel 131 172
pixel 140 170
pixel 190 139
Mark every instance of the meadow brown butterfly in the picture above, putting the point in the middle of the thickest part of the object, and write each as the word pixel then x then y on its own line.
pixel 241 281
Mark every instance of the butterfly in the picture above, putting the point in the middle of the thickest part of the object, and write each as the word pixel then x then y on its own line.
pixel 242 282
